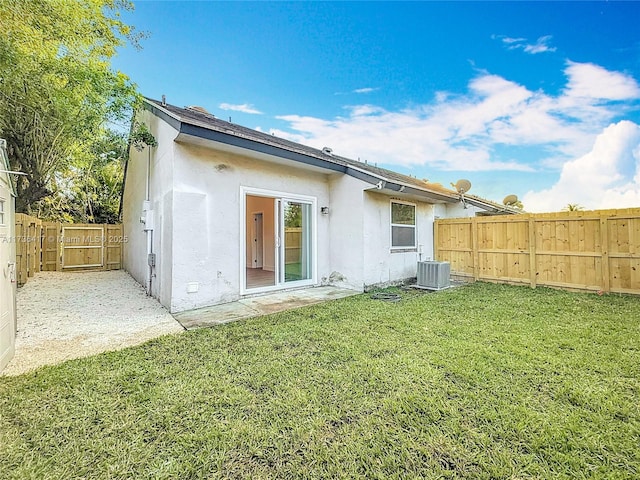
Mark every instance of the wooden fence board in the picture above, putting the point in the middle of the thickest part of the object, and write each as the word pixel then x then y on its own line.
pixel 28 233
pixel 113 247
pixel 592 250
pixel 51 246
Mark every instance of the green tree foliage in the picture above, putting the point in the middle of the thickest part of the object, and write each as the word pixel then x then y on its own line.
pixel 57 90
pixel 141 137
pixel 88 190
pixel 573 207
pixel 293 215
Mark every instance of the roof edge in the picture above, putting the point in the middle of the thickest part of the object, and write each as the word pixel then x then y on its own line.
pixel 198 129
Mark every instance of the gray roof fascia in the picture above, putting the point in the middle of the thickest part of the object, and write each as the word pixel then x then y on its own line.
pixel 221 137
pixel 367 177
pixel 423 193
pixel 374 179
pixel 490 207
pixel 163 115
pixel 252 145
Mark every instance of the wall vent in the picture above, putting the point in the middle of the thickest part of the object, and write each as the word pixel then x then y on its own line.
pixel 434 275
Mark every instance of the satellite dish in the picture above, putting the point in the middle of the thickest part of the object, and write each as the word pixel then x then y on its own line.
pixel 510 200
pixel 463 186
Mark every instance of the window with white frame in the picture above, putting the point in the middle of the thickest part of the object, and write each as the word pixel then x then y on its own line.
pixel 2 205
pixel 403 225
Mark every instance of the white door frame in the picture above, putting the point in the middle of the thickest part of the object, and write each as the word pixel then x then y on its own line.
pixel 277 196
pixel 257 245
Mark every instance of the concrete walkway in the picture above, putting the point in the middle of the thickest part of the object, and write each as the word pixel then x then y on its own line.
pixel 259 305
pixel 66 315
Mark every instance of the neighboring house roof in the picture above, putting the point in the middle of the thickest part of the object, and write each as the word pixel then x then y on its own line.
pixel 5 167
pixel 198 123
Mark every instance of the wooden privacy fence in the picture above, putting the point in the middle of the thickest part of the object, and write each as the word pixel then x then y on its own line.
pixel 81 246
pixel 592 250
pixel 292 245
pixel 52 246
pixel 28 246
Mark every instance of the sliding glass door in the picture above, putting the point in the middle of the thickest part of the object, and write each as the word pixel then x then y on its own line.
pixel 296 234
pixel 279 242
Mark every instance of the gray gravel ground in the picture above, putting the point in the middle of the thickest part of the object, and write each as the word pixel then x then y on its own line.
pixel 71 315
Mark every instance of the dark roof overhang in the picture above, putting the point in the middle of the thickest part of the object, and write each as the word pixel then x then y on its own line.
pixel 259 147
pixel 187 128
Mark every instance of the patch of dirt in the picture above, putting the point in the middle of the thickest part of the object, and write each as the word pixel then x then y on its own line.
pixel 66 315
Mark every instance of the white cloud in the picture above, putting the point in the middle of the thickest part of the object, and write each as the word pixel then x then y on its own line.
pixel 589 81
pixel 510 40
pixel 359 91
pixel 401 138
pixel 244 108
pixel 606 177
pixel 365 90
pixel 467 132
pixel 540 46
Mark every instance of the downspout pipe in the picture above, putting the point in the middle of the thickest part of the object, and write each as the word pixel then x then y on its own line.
pixel 149 228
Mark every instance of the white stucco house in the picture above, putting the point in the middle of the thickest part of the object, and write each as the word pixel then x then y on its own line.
pixel 7 261
pixel 217 212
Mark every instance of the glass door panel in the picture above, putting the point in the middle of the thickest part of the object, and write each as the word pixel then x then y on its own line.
pixel 296 245
pixel 260 242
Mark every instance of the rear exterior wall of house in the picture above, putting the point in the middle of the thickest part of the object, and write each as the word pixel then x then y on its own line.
pixel 161 171
pixel 209 221
pixel 198 191
pixel 385 265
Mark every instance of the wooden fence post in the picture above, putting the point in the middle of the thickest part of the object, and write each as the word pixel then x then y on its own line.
pixel 436 246
pixel 474 248
pixel 604 248
pixel 533 265
pixel 21 246
pixel 59 241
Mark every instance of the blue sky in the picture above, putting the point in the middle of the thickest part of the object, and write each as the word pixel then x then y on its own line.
pixel 537 99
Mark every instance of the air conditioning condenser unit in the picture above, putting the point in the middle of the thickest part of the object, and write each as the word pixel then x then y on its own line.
pixel 434 275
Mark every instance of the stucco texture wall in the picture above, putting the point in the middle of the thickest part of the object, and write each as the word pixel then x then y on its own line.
pixel 208 242
pixel 346 218
pixel 458 210
pixel 382 264
pixel 161 198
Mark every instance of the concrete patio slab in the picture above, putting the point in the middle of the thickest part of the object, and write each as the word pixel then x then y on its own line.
pixel 259 305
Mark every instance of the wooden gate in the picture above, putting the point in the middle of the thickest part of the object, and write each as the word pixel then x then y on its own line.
pixel 51 246
pixel 81 246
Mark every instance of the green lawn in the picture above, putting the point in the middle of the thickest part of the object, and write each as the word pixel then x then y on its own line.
pixel 484 381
